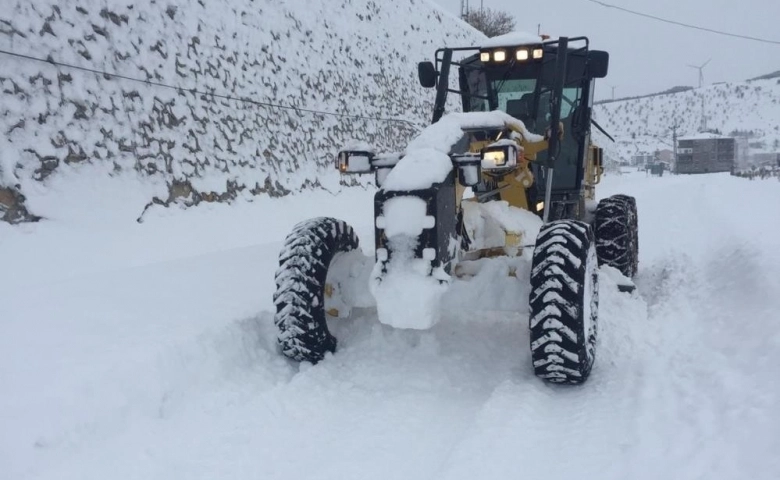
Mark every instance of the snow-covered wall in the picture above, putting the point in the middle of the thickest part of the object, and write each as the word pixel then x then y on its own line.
pixel 354 57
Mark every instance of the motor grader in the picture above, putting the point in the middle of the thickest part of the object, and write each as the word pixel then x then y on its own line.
pixel 513 175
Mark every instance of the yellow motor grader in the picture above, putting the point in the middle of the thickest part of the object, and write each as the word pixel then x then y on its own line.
pixel 518 160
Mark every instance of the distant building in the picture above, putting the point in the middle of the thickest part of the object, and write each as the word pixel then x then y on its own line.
pixel 642 160
pixel 705 153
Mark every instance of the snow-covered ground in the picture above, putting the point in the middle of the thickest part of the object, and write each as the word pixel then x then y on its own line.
pixel 146 351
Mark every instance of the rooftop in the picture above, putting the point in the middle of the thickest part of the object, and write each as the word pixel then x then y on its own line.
pixel 703 136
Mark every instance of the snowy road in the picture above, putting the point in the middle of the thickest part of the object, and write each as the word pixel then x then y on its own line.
pixel 147 352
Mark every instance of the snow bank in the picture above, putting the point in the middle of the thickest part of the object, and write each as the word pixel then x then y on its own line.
pixel 148 352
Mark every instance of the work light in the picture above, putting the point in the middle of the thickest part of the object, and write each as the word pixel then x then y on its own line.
pixel 522 54
pixel 500 155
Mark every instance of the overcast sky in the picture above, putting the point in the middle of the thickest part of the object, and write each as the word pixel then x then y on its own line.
pixel 648 56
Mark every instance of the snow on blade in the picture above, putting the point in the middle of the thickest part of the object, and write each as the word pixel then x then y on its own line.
pixel 487 223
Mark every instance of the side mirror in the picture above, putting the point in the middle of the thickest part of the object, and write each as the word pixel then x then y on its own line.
pixel 598 63
pixel 354 162
pixel 427 74
pixel 599 157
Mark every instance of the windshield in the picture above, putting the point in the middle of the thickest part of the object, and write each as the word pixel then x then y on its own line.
pixel 516 97
pixel 528 100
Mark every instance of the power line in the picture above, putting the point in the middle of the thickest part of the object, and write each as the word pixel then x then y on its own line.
pixel 50 61
pixel 686 25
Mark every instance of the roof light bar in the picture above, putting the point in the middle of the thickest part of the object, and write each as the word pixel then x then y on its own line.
pixel 501 55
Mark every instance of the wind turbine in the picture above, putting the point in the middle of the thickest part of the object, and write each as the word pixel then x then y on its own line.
pixel 701 71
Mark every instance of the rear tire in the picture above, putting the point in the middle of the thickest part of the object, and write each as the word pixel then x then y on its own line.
pixel 300 286
pixel 564 302
pixel 617 234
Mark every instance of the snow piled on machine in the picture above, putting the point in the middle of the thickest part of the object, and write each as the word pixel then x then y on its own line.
pixel 409 294
pixel 426 159
pixel 488 223
pixel 418 170
pixel 512 38
pixel 408 290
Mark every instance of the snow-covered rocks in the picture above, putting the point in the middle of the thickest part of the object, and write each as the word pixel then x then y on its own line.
pixel 354 59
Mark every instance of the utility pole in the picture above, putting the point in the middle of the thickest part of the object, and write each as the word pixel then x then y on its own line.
pixel 703 116
pixel 464 9
pixel 674 143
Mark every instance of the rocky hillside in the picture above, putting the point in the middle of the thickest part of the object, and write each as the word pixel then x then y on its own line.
pixel 643 125
pixel 194 120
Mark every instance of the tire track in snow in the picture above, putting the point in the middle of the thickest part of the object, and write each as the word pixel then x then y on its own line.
pixel 530 429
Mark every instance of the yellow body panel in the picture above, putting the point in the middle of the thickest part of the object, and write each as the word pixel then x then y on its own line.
pixel 512 185
pixel 514 193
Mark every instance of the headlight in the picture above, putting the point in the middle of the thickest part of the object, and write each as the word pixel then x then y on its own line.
pixel 496 157
pixel 538 53
pixel 499 55
pixel 500 155
pixel 522 55
pixel 539 206
pixel 484 57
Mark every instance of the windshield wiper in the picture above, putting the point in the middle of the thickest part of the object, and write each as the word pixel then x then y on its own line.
pixel 596 124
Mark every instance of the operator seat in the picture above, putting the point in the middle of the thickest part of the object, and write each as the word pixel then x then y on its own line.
pixel 521 109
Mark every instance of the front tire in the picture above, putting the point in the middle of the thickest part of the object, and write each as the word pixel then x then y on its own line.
pixel 300 286
pixel 564 302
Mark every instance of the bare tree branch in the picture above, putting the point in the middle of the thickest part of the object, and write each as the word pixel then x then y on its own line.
pixel 491 22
